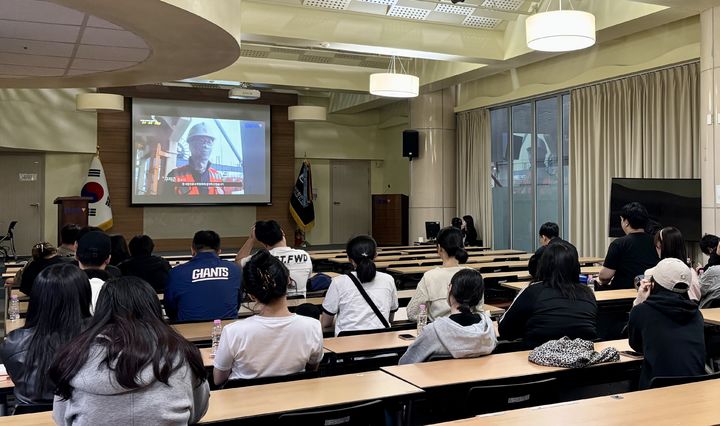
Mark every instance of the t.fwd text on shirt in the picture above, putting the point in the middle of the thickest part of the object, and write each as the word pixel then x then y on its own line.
pixel 292 258
pixel 205 274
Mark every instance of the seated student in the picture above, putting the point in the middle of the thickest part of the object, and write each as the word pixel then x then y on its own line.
pixel 43 255
pixel 432 288
pixel 142 263
pixel 129 366
pixel 710 285
pixel 58 311
pixel 272 237
pixel 556 306
pixel 464 334
pixel 68 238
pixel 666 326
pixel 345 301
pixel 549 234
pixel 669 243
pixel 119 251
pixel 206 287
pixel 111 270
pixel 93 256
pixel 275 342
pixel 469 231
pixel 456 222
pixel 708 245
pixel 631 255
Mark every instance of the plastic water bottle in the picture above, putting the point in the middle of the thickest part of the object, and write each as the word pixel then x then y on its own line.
pixel 421 319
pixel 216 331
pixel 14 309
pixel 589 281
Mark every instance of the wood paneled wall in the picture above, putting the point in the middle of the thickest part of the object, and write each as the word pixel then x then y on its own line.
pixel 115 144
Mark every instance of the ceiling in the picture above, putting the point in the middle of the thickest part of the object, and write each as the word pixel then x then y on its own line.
pixel 81 43
pixel 319 45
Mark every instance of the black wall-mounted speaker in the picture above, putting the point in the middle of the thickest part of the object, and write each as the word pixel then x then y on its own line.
pixel 411 142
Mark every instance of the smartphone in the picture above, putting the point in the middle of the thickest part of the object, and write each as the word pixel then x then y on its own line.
pixel 407 337
pixel 632 354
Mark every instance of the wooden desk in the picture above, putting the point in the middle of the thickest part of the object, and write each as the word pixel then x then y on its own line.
pixel 254 401
pixel 658 407
pixel 600 296
pixel 711 315
pixel 199 331
pixel 13 325
pixel 490 367
pixel 436 261
pixel 36 419
pixel 368 342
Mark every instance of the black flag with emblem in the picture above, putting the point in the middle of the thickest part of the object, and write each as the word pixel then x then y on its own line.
pixel 301 201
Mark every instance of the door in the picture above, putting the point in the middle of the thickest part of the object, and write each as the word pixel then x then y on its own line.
pixel 21 196
pixel 350 208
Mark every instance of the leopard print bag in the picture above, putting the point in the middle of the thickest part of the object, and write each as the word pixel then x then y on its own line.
pixel 571 353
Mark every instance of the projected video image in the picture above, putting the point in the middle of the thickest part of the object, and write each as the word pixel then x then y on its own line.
pixel 190 156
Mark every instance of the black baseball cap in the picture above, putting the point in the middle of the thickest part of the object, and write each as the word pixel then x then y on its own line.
pixel 93 248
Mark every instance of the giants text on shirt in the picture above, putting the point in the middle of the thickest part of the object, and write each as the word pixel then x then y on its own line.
pixel 205 274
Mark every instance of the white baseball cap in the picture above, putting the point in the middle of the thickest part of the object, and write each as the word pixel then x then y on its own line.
pixel 672 274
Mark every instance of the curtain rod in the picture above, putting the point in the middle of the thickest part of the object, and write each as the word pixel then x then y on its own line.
pixel 578 86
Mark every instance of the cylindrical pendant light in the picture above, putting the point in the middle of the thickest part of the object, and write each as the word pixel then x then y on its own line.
pixel 99 102
pixel 560 30
pixel 394 85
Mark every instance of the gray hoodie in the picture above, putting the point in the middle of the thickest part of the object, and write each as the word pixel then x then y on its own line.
pixel 98 399
pixel 709 286
pixel 444 336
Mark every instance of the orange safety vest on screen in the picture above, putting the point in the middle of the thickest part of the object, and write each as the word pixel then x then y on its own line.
pixel 184 174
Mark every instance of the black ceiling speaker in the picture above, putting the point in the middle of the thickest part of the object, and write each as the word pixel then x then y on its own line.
pixel 411 141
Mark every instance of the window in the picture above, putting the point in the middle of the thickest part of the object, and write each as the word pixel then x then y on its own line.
pixel 529 170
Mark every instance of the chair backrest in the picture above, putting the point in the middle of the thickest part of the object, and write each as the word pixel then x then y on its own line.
pixel 714 303
pixel 29 409
pixel 367 414
pixel 359 332
pixel 11 227
pixel 661 382
pixel 486 399
pixel 240 383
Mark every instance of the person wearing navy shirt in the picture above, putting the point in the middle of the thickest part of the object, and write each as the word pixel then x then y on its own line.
pixel 205 288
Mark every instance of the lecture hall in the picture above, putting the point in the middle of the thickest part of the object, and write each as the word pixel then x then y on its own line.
pixel 359 212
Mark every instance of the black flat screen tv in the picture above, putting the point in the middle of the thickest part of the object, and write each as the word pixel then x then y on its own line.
pixel 669 202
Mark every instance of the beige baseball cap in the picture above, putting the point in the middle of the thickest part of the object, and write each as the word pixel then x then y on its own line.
pixel 672 274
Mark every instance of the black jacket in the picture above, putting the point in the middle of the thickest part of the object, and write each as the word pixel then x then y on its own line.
pixel 541 313
pixel 668 329
pixel 534 261
pixel 153 269
pixel 25 378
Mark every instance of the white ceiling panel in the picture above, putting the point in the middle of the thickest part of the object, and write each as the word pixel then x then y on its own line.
pixel 481 22
pixel 94 21
pixel 30 71
pixel 30 47
pixel 95 65
pixel 33 60
pixel 449 7
pixel 112 53
pixel 406 12
pixel 327 4
pixel 106 37
pixel 39 11
pixel 503 4
pixel 37 31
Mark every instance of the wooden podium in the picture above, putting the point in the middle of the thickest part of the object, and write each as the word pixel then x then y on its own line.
pixel 72 210
pixel 390 219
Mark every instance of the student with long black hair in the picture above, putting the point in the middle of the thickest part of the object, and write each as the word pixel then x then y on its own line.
pixel 59 310
pixel 432 288
pixel 129 366
pixel 670 243
pixel 556 305
pixel 464 334
pixel 363 299
pixel 468 228
pixel 275 342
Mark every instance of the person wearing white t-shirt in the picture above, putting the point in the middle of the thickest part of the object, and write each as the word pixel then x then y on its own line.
pixel 432 288
pixel 272 237
pixel 275 342
pixel 346 305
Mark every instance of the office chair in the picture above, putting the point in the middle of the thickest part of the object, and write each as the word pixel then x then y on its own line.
pixel 661 382
pixel 367 414
pixel 487 399
pixel 34 408
pixel 9 237
pixel 240 383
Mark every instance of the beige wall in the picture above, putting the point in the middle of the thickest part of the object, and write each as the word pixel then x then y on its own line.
pixel 665 45
pixel 359 136
pixel 64 176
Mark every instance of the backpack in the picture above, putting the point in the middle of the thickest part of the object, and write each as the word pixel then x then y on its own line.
pixel 319 282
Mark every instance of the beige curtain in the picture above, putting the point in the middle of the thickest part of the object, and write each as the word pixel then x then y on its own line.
pixel 474 194
pixel 644 126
